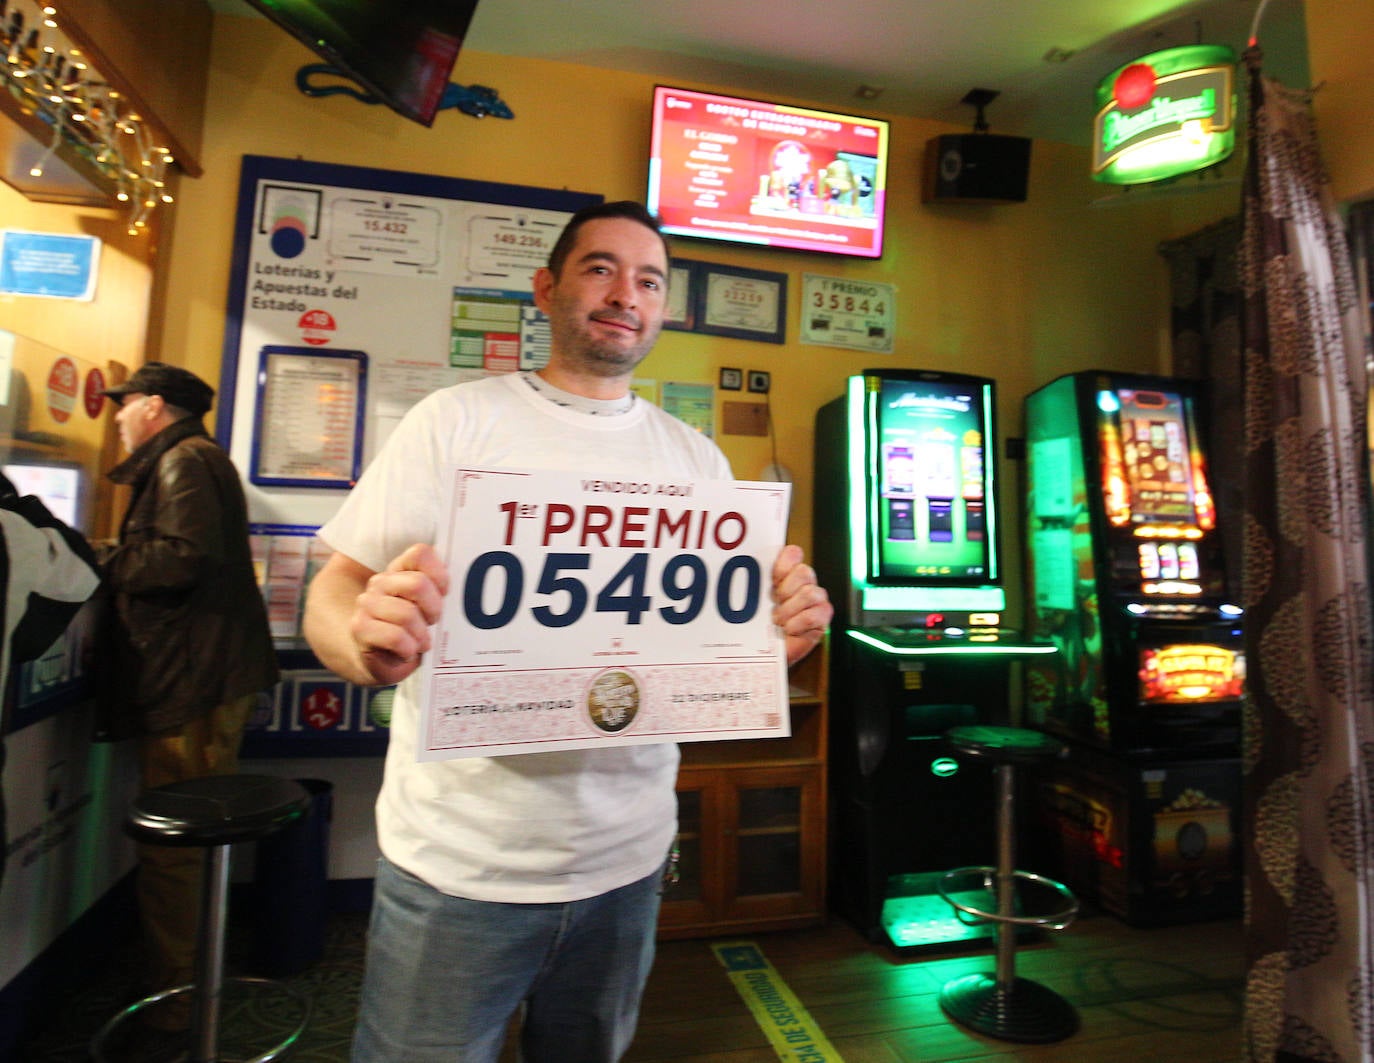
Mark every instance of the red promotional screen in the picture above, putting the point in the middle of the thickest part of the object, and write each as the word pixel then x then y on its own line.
pixel 762 173
pixel 1182 673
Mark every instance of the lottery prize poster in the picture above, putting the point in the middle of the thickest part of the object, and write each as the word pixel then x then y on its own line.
pixel 417 280
pixel 587 612
pixel 839 312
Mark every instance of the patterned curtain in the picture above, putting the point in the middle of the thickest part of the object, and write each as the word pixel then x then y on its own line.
pixel 1308 744
pixel 1361 230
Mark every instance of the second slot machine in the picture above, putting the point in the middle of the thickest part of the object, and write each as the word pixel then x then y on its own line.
pixel 1126 576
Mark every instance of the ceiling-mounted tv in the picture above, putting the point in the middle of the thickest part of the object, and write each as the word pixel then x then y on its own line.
pixel 751 172
pixel 401 53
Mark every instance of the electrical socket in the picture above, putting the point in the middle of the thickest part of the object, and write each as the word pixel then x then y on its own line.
pixel 759 381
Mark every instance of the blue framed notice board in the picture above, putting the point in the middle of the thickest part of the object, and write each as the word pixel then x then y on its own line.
pixel 355 292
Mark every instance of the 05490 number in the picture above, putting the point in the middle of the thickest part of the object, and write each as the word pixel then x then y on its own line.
pixel 494 588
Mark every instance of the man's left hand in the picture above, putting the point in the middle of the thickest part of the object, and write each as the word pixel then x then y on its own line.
pixel 801 605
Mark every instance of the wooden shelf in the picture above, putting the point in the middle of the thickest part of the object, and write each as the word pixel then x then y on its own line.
pixel 156 54
pixel 68 176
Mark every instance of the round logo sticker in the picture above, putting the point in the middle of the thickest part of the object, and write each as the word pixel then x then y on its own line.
pixel 90 394
pixel 62 386
pixel 613 701
pixel 379 708
pixel 317 327
pixel 322 709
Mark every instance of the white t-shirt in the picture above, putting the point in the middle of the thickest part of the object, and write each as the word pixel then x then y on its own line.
pixel 528 828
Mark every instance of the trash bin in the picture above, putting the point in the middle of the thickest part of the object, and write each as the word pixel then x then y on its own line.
pixel 291 880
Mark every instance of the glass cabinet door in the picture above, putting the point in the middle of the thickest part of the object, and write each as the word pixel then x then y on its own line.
pixel 688 886
pixel 696 893
pixel 768 840
pixel 773 850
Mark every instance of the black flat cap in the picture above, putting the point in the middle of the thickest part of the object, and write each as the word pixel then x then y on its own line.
pixel 177 386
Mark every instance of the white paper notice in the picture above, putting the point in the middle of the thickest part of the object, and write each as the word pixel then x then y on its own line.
pixel 839 312
pixel 585 612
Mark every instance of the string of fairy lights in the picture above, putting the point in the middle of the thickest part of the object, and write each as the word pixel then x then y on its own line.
pixel 50 78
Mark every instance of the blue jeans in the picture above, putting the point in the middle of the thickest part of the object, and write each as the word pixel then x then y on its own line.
pixel 444 975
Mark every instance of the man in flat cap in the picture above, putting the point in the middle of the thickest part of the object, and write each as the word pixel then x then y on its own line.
pixel 190 648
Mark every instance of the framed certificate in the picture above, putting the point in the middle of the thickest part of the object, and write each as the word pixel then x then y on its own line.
pixel 680 313
pixel 747 304
pixel 308 418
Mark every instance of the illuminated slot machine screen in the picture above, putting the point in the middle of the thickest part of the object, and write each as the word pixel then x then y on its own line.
pixel 930 511
pixel 1190 673
pixel 1155 486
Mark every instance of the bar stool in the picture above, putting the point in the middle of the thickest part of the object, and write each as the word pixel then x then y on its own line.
pixel 1005 1006
pixel 213 812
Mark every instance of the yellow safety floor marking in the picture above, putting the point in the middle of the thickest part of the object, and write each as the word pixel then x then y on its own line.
pixel 792 1032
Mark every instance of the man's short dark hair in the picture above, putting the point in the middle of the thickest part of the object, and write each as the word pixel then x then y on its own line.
pixel 621 208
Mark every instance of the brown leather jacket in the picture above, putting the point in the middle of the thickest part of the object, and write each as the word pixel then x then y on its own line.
pixel 189 627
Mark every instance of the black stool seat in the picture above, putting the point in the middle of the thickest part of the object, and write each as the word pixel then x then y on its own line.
pixel 1004 745
pixel 216 810
pixel 214 813
pixel 1003 1005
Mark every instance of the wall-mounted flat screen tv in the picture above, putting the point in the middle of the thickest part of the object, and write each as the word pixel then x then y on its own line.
pixel 750 172
pixel 401 52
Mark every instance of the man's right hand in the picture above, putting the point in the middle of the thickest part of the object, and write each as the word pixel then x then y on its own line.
pixel 386 615
pixel 392 616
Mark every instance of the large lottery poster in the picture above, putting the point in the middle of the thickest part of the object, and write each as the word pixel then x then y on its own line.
pixel 354 293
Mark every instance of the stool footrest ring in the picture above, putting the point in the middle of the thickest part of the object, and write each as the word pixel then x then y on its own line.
pixel 277 1051
pixel 969 913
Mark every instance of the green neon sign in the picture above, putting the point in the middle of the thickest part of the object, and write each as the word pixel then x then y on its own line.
pixel 1121 128
pixel 1165 114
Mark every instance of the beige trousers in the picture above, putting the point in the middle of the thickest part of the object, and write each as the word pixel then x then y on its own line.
pixel 169 878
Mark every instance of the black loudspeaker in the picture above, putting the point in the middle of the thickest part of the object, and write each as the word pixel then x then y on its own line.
pixel 976 168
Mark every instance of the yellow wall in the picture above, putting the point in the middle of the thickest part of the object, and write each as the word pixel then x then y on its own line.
pixel 108 333
pixel 1021 293
pixel 1339 36
pixel 114 324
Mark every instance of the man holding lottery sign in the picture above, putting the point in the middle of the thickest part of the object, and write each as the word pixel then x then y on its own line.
pixel 529 881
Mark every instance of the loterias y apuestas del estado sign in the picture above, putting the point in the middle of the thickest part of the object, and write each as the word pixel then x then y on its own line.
pixel 1165 114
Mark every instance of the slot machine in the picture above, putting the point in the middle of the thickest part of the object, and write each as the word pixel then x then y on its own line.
pixel 907 542
pixel 1125 569
pixel 1126 578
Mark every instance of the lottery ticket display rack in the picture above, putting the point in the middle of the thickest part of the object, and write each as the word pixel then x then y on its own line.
pixel 311 712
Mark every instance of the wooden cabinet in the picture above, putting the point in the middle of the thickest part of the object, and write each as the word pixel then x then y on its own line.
pixel 751 824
